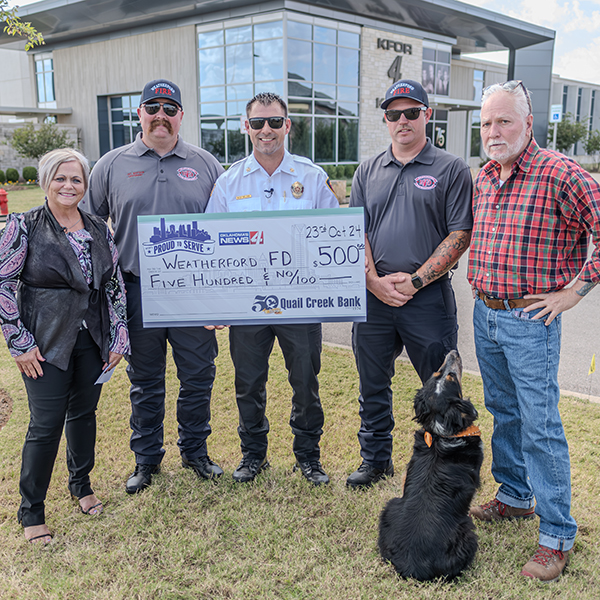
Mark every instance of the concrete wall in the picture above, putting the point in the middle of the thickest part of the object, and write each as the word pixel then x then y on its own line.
pixel 374 81
pixel 17 85
pixel 122 66
pixel 8 155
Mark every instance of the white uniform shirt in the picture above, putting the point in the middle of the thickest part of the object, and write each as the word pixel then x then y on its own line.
pixel 296 184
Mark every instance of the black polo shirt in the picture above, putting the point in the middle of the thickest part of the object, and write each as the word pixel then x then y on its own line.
pixel 410 209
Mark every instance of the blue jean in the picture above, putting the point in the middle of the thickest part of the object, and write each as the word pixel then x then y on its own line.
pixel 518 359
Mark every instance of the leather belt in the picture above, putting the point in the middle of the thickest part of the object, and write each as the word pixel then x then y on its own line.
pixel 497 304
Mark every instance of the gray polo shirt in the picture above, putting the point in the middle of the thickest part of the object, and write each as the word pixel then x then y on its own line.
pixel 410 209
pixel 134 180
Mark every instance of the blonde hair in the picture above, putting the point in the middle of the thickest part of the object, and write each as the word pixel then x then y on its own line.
pixel 51 161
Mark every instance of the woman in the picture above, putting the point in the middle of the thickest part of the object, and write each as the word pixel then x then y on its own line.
pixel 63 314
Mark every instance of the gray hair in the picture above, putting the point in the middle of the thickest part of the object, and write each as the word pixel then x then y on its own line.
pixel 517 90
pixel 51 161
pixel 266 99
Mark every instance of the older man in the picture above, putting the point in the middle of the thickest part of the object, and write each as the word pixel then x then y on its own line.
pixel 273 179
pixel 532 210
pixel 157 174
pixel 417 202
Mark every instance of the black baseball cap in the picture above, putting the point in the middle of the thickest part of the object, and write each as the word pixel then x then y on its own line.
pixel 406 88
pixel 161 88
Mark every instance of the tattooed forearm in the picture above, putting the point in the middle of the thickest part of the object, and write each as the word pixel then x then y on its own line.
pixel 446 255
pixel 588 286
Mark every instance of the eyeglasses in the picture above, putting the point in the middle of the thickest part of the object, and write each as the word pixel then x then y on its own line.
pixel 410 113
pixel 259 122
pixel 513 84
pixel 170 110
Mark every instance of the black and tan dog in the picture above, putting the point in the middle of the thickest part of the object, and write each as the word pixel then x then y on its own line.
pixel 428 533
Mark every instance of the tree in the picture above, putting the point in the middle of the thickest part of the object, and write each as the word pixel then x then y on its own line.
pixel 568 133
pixel 592 146
pixel 14 26
pixel 34 143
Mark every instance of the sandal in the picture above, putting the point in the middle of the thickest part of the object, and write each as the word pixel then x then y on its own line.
pixel 39 537
pixel 90 509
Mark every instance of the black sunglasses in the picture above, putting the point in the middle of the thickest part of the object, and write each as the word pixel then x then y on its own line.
pixel 259 122
pixel 153 107
pixel 513 84
pixel 410 113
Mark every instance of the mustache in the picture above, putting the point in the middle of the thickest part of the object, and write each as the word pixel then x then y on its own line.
pixel 158 122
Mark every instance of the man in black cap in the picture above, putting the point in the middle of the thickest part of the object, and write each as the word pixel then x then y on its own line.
pixel 159 174
pixel 418 220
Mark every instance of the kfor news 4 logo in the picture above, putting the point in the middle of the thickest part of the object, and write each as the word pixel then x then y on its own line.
pixel 241 238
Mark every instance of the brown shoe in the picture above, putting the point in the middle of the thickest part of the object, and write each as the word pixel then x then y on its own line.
pixel 498 511
pixel 546 564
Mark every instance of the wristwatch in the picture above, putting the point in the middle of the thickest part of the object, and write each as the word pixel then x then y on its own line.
pixel 416 281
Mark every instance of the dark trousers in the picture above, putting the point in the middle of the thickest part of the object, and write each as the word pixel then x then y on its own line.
pixel 251 346
pixel 60 399
pixel 427 327
pixel 194 352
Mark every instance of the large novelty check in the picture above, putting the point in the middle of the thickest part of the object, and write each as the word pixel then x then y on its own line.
pixel 304 266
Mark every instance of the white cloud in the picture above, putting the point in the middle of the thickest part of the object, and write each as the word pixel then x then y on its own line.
pixel 580 63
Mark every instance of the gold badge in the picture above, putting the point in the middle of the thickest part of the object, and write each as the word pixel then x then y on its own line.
pixel 297 189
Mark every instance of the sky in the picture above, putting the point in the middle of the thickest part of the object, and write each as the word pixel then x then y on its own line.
pixel 576 22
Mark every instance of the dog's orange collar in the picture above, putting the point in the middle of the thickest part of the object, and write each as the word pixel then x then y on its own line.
pixel 471 431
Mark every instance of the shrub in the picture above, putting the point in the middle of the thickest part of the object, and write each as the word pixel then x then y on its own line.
pixel 34 143
pixel 12 175
pixel 30 174
pixel 2 176
pixel 340 172
pixel 349 171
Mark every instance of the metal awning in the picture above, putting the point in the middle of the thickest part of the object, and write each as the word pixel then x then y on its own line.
pixel 28 113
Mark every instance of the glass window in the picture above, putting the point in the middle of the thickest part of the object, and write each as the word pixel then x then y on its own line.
pixel 237 108
pixel 428 54
pixel 347 38
pixel 325 91
pixel 300 136
pixel 44 70
pixel 478 79
pixel 238 63
pixel 300 106
pixel 212 94
pixel 210 38
pixel 235 35
pixel 124 120
pixel 297 88
pixel 212 109
pixel 324 107
pixel 299 30
pixel 211 67
pixel 267 60
pixel 348 66
pixel 236 145
pixel 324 63
pixel 239 92
pixel 348 140
pixel 324 34
pixel 324 139
pixel 437 128
pixel 435 71
pixel 271 86
pixel 212 138
pixel 348 109
pixel 264 31
pixel 476 133
pixel 299 60
pixel 349 94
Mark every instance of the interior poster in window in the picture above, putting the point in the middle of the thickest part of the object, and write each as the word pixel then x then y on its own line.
pixel 305 266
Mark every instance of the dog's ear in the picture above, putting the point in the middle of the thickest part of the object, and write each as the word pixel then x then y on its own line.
pixel 421 403
pixel 462 415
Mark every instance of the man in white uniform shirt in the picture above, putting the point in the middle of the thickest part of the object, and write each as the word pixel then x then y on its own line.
pixel 273 179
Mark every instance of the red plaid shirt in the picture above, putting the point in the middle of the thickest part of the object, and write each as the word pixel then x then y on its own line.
pixel 530 235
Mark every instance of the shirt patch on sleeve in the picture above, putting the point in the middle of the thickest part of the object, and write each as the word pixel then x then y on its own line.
pixel 425 182
pixel 187 174
pixel 328 182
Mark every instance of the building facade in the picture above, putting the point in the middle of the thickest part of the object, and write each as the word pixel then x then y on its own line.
pixel 332 65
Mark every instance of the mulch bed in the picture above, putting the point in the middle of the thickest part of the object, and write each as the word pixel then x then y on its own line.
pixel 5 408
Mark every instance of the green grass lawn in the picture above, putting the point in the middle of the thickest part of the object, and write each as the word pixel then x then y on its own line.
pixel 280 537
pixel 24 199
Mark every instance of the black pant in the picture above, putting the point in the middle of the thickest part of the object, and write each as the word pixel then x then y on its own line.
pixel 251 346
pixel 194 353
pixel 60 399
pixel 427 327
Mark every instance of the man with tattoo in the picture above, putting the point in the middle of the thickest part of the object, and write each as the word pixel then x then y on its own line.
pixel 418 220
pixel 534 210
